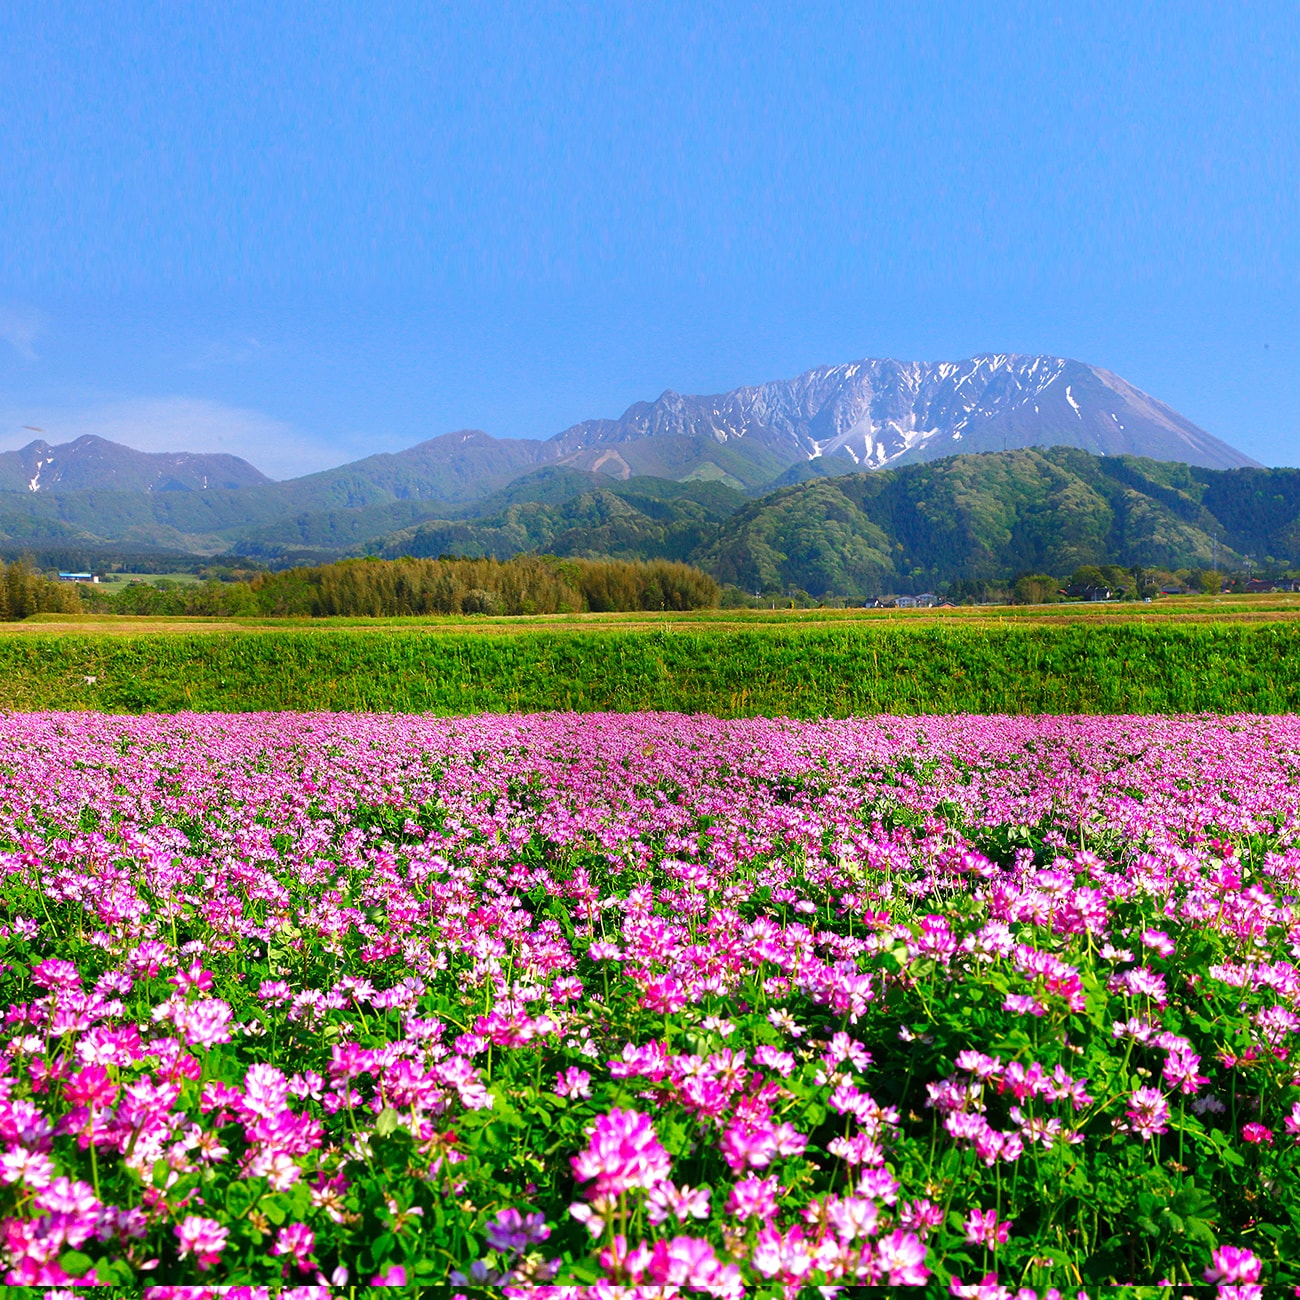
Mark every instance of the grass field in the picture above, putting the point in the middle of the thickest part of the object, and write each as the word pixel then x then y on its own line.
pixel 114 582
pixel 1189 609
pixel 1212 654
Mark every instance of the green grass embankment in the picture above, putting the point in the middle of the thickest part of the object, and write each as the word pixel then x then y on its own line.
pixel 818 670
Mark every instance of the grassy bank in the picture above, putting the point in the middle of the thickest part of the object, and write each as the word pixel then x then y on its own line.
pixel 802 670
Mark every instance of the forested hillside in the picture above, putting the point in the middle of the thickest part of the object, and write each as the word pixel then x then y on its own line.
pixel 973 518
pixel 986 517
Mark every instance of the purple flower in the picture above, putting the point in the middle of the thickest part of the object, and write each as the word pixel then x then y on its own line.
pixel 513 1231
pixel 1148 1113
pixel 623 1152
pixel 901 1256
pixel 984 1229
pixel 203 1238
pixel 573 1082
pixel 1233 1264
pixel 296 1240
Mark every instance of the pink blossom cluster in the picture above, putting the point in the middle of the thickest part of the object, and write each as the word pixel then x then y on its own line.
pixel 313 1001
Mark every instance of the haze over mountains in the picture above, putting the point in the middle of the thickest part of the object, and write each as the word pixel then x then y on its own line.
pixel 671 477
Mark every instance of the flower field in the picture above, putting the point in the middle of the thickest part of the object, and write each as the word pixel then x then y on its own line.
pixel 558 1004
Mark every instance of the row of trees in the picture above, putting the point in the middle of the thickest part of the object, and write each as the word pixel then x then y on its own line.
pixel 1092 580
pixel 23 592
pixel 527 584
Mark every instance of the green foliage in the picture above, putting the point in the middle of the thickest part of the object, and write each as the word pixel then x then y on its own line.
pixel 963 519
pixel 637 520
pixel 969 519
pixel 774 671
pixel 24 592
pixel 1036 589
pixel 377 588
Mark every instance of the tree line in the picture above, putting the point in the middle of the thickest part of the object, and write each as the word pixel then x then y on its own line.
pixel 24 591
pixel 370 588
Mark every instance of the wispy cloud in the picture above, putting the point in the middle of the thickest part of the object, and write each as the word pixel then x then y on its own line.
pixel 20 327
pixel 276 447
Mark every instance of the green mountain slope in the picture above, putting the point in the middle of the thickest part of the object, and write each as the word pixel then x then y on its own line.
pixel 644 518
pixel 973 517
pixel 861 535
pixel 977 517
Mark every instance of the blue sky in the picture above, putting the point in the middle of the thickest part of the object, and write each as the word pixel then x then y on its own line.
pixel 309 232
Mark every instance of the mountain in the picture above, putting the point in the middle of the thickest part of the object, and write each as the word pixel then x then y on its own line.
pixel 95 463
pixel 881 415
pixel 971 517
pixel 875 414
pixel 452 467
pixel 832 420
pixel 644 518
pixel 974 518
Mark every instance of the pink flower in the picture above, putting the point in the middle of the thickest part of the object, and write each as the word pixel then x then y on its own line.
pixel 789 1141
pixel 852 1217
pixel 1256 1133
pixel 298 1240
pixel 393 1275
pixel 265 1090
pixel 664 994
pixel 18 1165
pixel 690 1261
pixel 66 1196
pixel 90 1087
pixel 1023 1005
pixel 203 1238
pixel 623 1152
pixel 922 1215
pixel 681 1203
pixel 1292 1122
pixel 782 1062
pixel 783 1255
pixel 1159 941
pixel 986 1288
pixel 573 1082
pixel 1180 1072
pixel 902 1256
pixel 195 978
pixel 984 1229
pixel 879 1184
pixel 205 1023
pixel 754 1198
pixel 274 993
pixel 55 973
pixel 754 1145
pixel 1233 1264
pixel 1148 1113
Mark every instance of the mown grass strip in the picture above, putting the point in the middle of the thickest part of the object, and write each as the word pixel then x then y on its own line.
pixel 817 672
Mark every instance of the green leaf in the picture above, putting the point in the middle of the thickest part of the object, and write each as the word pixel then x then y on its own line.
pixel 115 1272
pixel 389 1121
pixel 75 1264
pixel 300 1200
pixel 239 1199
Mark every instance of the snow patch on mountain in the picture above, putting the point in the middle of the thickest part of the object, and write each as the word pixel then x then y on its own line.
pixel 875 413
